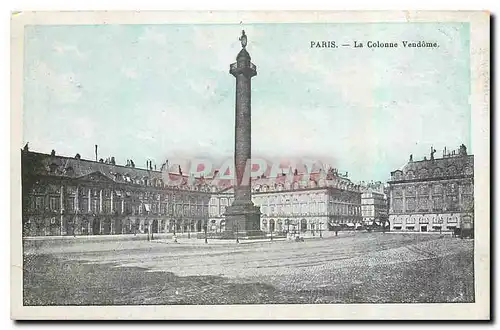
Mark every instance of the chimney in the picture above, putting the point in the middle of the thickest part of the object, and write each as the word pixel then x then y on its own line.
pixel 96 152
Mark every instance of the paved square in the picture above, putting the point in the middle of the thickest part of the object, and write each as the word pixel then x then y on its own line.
pixel 350 268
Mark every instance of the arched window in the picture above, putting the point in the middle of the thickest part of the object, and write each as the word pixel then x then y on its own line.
pixel 272 225
pixel 303 225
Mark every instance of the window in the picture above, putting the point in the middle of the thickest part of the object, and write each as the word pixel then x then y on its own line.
pixel 213 210
pixel 54 205
pixel 71 204
pixel 38 203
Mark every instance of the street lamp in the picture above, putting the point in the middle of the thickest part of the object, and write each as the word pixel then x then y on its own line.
pixel 237 238
pixel 175 216
pixel 205 227
pixel 189 228
pixel 320 230
pixel 152 230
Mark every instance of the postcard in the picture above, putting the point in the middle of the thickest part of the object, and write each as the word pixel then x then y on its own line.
pixel 250 165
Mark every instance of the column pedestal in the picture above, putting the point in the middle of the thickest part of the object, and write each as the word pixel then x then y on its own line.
pixel 242 221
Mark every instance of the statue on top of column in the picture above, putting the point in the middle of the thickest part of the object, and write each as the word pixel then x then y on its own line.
pixel 243 39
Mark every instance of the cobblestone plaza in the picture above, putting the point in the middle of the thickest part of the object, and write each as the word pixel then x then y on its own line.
pixel 351 267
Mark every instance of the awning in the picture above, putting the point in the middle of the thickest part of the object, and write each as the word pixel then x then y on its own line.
pixel 358 225
pixel 414 218
pixel 396 219
pixel 424 219
pixel 431 218
pixel 442 218
pixel 350 224
pixel 454 218
pixel 148 207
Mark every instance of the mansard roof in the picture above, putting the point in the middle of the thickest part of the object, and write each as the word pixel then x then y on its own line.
pixel 73 168
pixel 459 165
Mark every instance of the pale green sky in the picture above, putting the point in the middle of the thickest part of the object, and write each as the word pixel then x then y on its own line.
pixel 164 91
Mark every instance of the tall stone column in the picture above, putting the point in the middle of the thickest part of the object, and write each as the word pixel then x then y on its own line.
pixel 243 216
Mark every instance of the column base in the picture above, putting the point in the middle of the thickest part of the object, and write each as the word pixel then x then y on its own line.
pixel 242 220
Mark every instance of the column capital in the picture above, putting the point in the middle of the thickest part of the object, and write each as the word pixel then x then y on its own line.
pixel 247 68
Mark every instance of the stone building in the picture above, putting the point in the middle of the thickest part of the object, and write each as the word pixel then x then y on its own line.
pixel 374 207
pixel 74 196
pixel 302 203
pixel 435 194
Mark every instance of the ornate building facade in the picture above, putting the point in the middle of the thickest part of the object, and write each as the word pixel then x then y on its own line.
pixel 374 207
pixel 311 203
pixel 433 194
pixel 73 196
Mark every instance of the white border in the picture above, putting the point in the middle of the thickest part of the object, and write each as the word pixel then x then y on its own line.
pixel 479 35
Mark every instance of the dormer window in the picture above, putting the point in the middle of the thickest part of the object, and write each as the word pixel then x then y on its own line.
pixel 68 170
pixel 52 167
